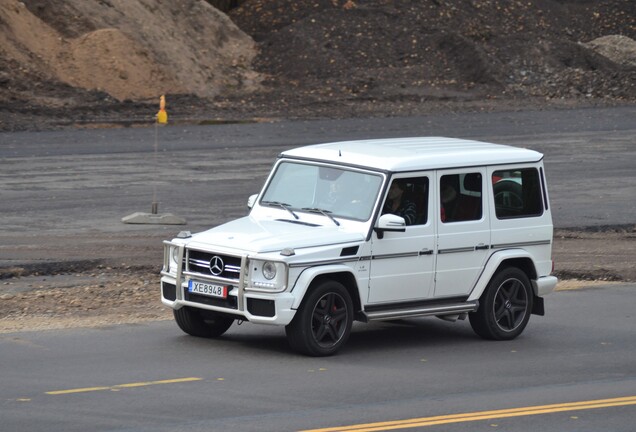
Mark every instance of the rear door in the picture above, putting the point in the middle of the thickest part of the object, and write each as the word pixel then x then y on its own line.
pixel 463 230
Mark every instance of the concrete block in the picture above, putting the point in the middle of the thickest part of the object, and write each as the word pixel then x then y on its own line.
pixel 151 218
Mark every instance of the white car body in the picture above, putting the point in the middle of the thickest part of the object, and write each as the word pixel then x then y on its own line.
pixel 436 266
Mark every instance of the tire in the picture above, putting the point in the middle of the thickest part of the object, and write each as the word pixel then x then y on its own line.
pixel 505 306
pixel 323 322
pixel 201 324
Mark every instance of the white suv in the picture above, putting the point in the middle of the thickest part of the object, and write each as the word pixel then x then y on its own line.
pixel 374 230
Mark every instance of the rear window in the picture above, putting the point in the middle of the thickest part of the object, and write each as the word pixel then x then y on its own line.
pixel 517 193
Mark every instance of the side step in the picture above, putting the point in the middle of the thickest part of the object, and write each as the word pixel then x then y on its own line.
pixel 444 309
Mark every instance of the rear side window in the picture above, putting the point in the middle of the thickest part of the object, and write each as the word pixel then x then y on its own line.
pixel 461 197
pixel 517 193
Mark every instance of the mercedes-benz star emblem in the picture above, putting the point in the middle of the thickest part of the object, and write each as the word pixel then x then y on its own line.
pixel 216 265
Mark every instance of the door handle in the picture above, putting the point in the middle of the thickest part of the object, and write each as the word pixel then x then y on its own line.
pixel 482 247
pixel 426 252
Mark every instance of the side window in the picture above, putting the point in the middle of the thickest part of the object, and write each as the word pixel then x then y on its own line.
pixel 517 193
pixel 461 197
pixel 408 198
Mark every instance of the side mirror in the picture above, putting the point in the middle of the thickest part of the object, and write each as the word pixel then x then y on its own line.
pixel 389 222
pixel 251 201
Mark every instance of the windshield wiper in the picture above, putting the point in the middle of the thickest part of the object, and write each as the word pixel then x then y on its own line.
pixel 281 205
pixel 322 212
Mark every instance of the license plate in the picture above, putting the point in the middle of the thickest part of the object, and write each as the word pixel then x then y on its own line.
pixel 207 289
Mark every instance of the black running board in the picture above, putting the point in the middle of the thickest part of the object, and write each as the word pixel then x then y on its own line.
pixel 420 311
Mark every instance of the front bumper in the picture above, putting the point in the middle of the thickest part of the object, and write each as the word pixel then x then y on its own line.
pixel 254 306
pixel 258 308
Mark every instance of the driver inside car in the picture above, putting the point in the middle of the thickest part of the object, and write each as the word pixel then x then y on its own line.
pixel 397 204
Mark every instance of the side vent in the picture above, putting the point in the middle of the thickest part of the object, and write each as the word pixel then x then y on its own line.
pixel 349 251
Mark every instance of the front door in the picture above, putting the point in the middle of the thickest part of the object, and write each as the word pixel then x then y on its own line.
pixel 403 263
pixel 463 231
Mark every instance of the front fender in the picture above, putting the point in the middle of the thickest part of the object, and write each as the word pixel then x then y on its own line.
pixel 309 274
pixel 493 263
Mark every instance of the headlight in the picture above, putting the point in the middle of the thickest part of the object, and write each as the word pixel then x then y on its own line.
pixel 269 270
pixel 267 276
pixel 173 258
pixel 175 255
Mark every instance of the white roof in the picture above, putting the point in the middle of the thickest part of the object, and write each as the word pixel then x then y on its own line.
pixel 411 154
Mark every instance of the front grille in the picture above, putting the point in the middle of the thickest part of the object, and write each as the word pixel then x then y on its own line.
pixel 202 263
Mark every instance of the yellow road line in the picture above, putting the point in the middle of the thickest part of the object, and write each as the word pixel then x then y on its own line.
pixel 77 390
pixel 122 386
pixel 481 415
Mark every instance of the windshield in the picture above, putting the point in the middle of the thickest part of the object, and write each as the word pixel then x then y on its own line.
pixel 319 189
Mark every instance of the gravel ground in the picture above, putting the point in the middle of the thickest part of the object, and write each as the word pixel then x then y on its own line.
pixel 93 295
pixel 114 296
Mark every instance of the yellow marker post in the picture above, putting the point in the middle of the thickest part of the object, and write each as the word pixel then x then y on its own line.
pixel 161 118
pixel 162 115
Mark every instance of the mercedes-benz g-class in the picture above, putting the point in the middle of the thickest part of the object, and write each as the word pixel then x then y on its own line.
pixel 374 230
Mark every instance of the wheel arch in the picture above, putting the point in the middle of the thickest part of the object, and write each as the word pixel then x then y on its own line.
pixel 312 276
pixel 347 280
pixel 506 258
pixel 524 264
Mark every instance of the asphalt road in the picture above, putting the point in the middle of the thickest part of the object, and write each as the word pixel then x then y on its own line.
pixel 154 378
pixel 63 195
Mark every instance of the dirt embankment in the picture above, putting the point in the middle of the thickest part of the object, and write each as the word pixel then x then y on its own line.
pixel 65 54
pixel 68 62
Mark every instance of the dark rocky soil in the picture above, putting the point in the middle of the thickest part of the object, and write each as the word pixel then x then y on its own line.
pixel 440 49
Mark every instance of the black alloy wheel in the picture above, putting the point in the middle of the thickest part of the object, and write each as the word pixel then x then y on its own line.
pixel 511 304
pixel 323 323
pixel 505 306
pixel 329 320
